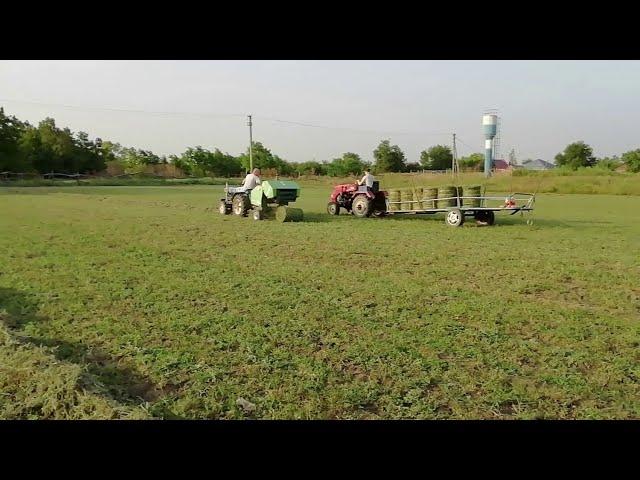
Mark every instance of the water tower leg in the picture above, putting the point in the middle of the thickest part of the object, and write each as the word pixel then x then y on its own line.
pixel 487 158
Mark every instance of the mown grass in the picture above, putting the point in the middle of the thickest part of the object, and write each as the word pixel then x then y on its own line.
pixel 121 302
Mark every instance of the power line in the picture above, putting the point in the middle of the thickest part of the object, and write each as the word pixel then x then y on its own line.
pixel 377 132
pixel 126 110
pixel 466 144
pixel 224 115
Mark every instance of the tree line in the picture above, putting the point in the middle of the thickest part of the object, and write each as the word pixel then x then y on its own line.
pixel 579 155
pixel 47 148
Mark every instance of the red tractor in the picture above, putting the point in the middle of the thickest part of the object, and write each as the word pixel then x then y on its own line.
pixel 360 200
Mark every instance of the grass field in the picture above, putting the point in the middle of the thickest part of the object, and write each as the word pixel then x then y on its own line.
pixel 138 302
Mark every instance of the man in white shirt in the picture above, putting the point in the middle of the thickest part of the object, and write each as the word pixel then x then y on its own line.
pixel 367 180
pixel 252 179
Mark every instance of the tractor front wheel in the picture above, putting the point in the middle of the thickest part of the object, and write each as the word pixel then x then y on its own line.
pixel 239 205
pixel 224 209
pixel 361 206
pixel 333 208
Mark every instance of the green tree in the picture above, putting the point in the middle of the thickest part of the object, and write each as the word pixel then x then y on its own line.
pixel 311 168
pixel 50 149
pixel 263 158
pixel 224 165
pixel 413 167
pixel 388 158
pixel 184 164
pixel 576 155
pixel 111 151
pixel 11 158
pixel 88 157
pixel 438 157
pixel 135 160
pixel 199 159
pixel 608 163
pixel 632 160
pixel 349 164
pixel 475 161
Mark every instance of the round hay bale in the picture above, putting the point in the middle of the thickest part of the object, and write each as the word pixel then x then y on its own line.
pixel 417 198
pixel 429 197
pixel 472 191
pixel 406 195
pixel 449 192
pixel 394 196
pixel 269 213
pixel 288 214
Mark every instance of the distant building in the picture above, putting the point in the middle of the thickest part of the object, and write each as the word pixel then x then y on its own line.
pixel 501 165
pixel 537 164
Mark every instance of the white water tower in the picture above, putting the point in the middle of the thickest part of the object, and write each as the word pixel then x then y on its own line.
pixel 490 128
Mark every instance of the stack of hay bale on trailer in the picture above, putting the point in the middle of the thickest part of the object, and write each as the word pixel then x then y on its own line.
pixel 428 198
pixel 457 202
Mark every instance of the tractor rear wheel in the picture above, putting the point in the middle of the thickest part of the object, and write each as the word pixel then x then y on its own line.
pixel 361 206
pixel 240 205
pixel 333 208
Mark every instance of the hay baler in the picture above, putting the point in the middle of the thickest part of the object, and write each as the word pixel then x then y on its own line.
pixel 270 198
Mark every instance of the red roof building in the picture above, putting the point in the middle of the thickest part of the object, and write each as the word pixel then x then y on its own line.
pixel 500 165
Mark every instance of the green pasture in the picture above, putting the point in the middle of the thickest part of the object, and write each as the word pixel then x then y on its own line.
pixel 141 302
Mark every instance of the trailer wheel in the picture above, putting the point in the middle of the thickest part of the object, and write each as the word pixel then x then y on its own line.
pixel 454 218
pixel 239 205
pixel 333 208
pixel 485 216
pixel 224 208
pixel 361 206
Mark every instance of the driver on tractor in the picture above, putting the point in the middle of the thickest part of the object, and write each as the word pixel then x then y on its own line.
pixel 367 179
pixel 252 180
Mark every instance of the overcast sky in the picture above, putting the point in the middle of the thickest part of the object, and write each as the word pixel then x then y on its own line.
pixel 544 105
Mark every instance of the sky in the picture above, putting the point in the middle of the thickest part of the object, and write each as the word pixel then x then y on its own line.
pixel 168 106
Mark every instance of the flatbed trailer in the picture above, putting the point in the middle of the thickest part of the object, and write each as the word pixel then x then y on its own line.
pixel 464 207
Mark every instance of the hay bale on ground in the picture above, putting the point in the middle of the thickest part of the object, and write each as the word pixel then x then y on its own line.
pixel 269 213
pixel 289 214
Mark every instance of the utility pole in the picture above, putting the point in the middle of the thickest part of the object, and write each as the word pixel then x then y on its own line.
pixel 250 145
pixel 454 160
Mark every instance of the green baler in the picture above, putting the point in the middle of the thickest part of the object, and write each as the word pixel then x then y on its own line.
pixel 270 197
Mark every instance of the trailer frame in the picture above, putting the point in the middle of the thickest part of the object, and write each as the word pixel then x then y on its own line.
pixel 456 214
